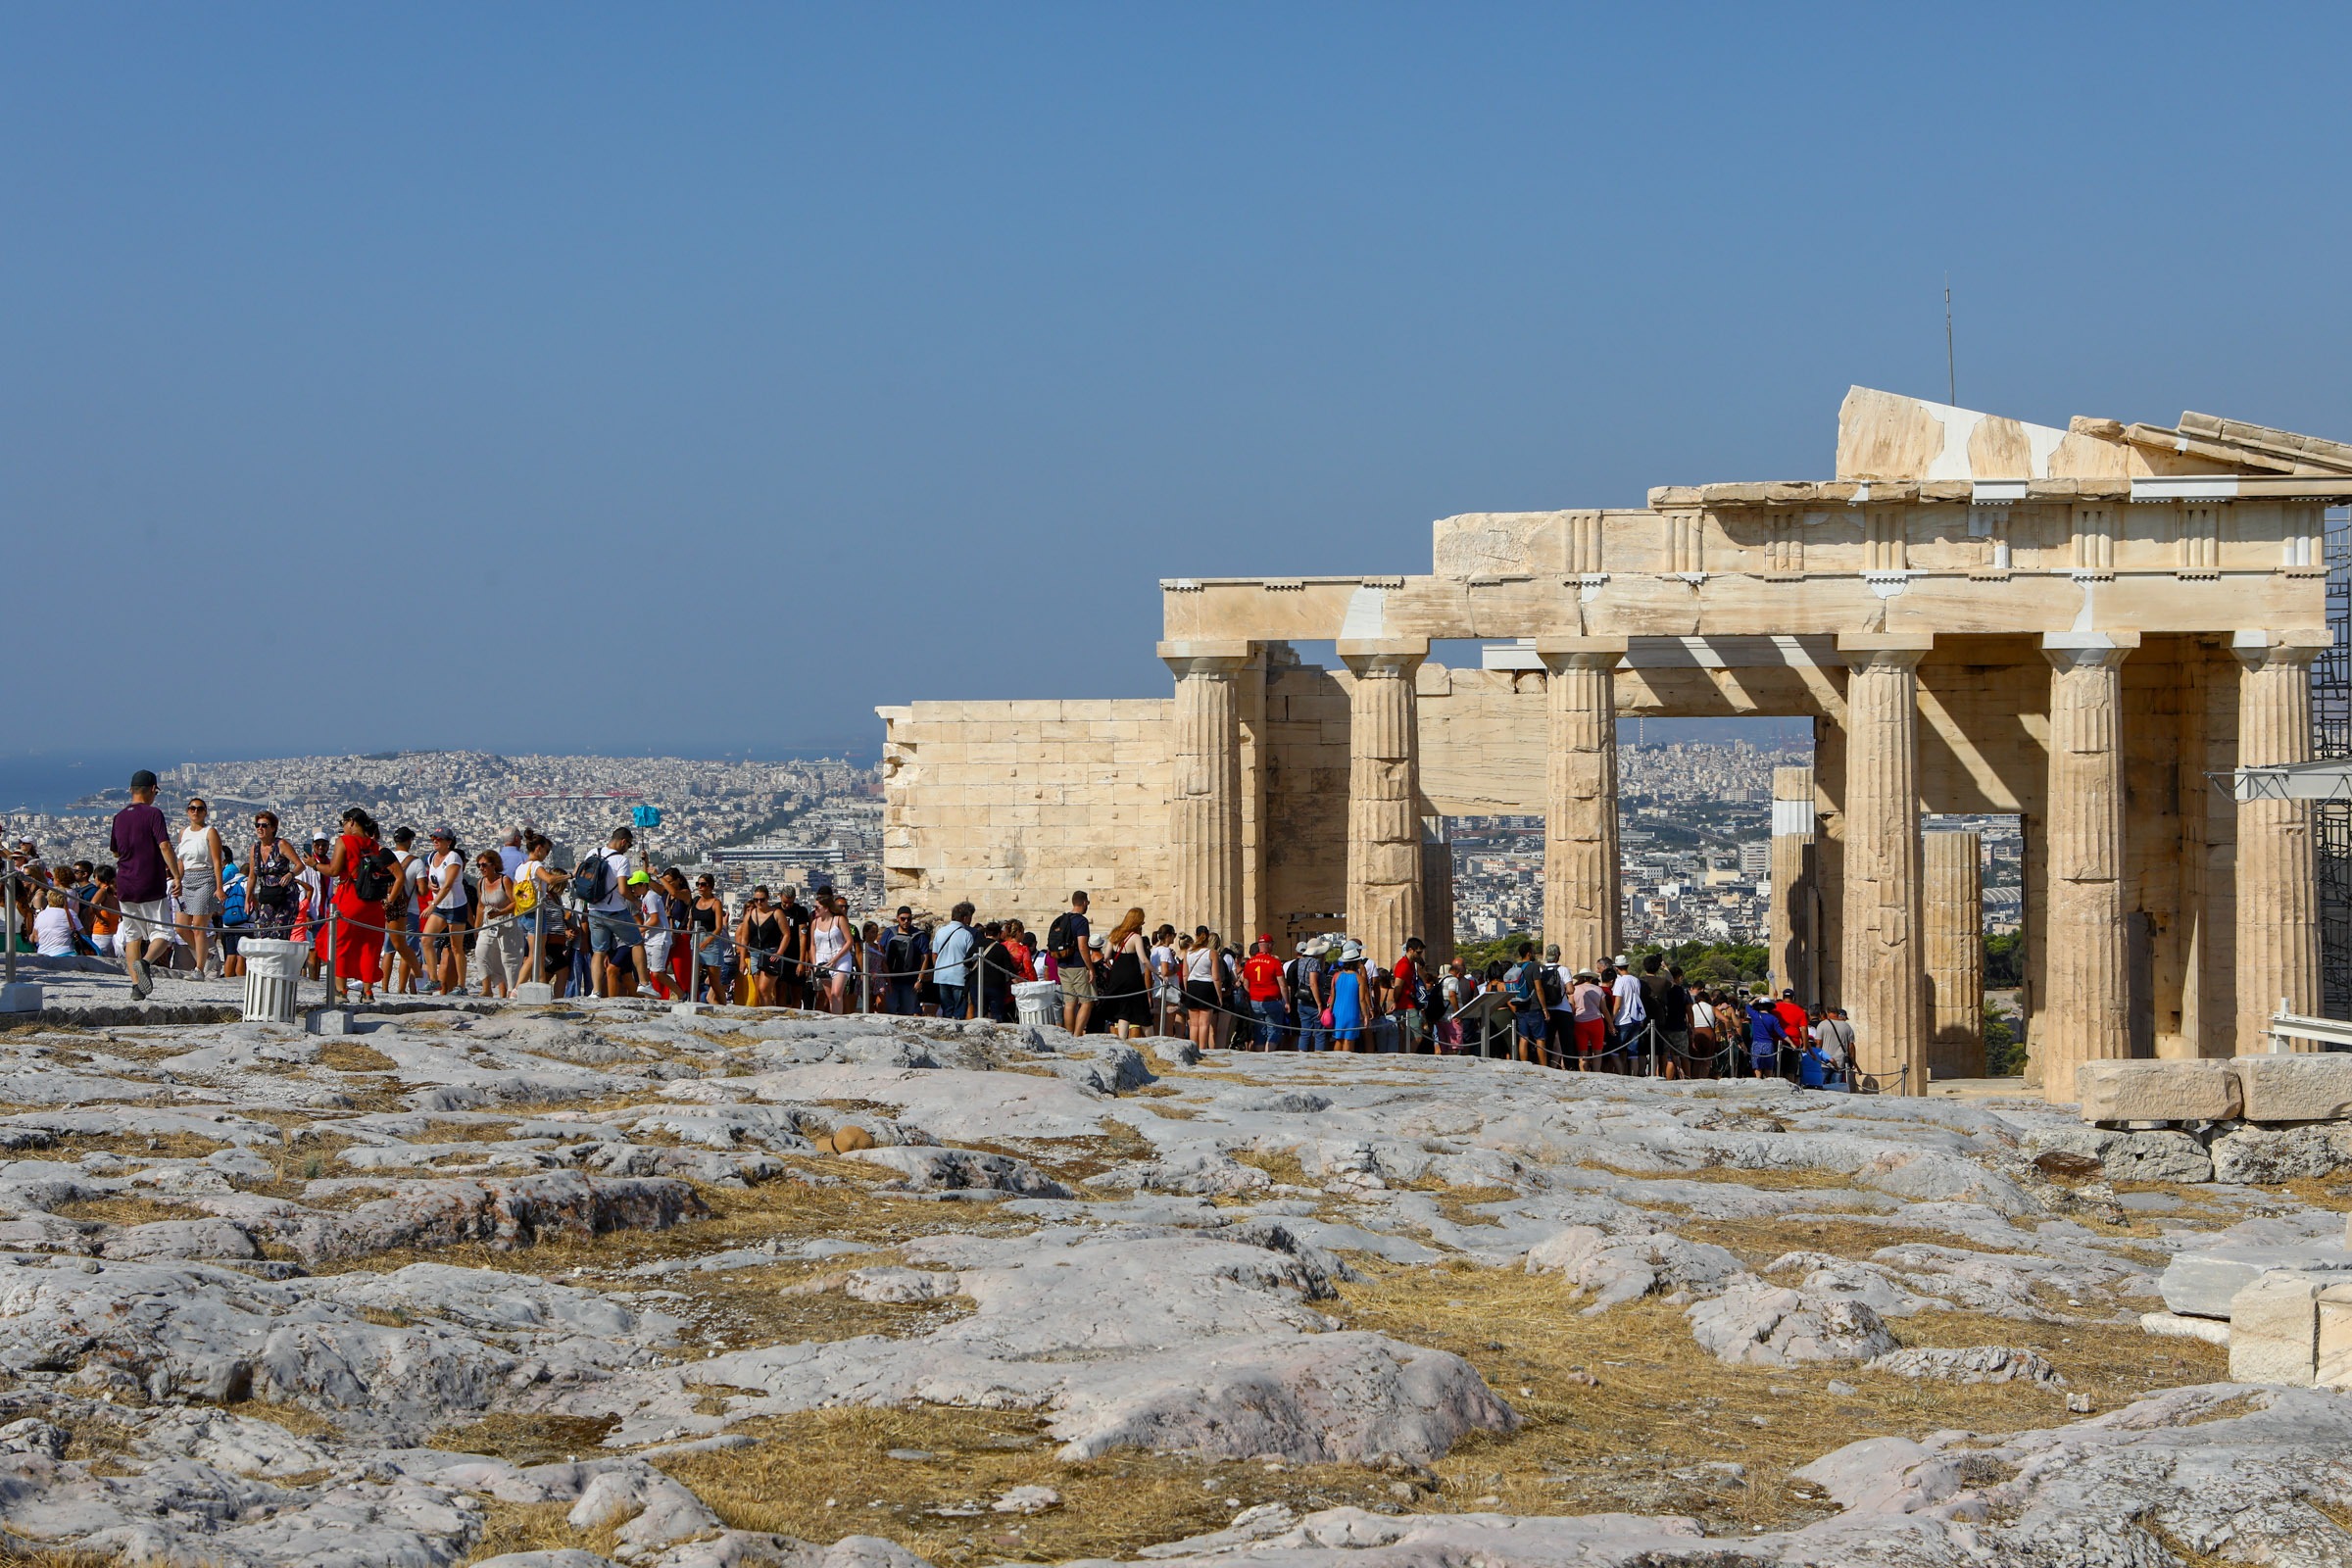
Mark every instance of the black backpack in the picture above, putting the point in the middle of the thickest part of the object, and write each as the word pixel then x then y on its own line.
pixel 1058 939
pixel 1554 993
pixel 371 879
pixel 592 878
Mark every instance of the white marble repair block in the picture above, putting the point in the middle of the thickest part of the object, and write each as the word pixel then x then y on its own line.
pixel 2275 1329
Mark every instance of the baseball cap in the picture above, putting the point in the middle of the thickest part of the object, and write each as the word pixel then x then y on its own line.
pixel 1621 960
pixel 142 780
pixel 638 879
pixel 447 833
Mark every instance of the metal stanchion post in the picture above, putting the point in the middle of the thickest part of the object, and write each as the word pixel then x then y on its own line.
pixel 327 900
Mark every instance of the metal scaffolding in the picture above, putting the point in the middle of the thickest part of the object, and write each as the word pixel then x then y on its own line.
pixel 2332 740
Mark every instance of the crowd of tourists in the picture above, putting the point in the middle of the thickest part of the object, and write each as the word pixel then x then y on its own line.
pixel 398 914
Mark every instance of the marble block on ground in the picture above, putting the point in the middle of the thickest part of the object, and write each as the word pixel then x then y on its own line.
pixel 2157 1091
pixel 2203 1284
pixel 2294 1086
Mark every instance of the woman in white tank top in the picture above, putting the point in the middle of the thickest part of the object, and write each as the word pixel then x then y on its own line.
pixel 201 858
pixel 831 953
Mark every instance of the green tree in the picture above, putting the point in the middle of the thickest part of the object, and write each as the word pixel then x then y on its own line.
pixel 2005 960
pixel 2004 1046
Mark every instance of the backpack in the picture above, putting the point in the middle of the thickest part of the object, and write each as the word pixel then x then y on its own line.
pixel 371 879
pixel 526 891
pixel 1058 939
pixel 1555 995
pixel 898 956
pixel 1525 986
pixel 592 878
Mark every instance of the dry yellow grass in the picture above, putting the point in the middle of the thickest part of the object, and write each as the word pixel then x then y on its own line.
pixel 1757 1242
pixel 508 1527
pixel 527 1438
pixel 824 1474
pixel 1777 1179
pixel 1661 1406
pixel 126 1210
pixel 350 1055
pixel 783 1209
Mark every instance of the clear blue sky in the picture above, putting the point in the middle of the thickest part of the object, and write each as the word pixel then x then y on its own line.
pixel 594 377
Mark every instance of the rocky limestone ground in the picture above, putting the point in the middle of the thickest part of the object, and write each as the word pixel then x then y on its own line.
pixel 569 1287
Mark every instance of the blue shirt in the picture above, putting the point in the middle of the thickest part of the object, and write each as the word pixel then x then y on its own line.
pixel 953 946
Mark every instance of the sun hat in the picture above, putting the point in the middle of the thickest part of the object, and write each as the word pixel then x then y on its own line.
pixel 1353 953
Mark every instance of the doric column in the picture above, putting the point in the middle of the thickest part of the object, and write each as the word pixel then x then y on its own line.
pixel 1794 931
pixel 1383 790
pixel 2087 1014
pixel 1952 909
pixel 2278 886
pixel 1582 888
pixel 1205 806
pixel 1885 980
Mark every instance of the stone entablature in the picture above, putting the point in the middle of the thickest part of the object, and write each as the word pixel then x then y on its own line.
pixel 2079 627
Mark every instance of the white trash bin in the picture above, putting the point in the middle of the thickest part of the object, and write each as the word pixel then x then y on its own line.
pixel 272 971
pixel 1038 1001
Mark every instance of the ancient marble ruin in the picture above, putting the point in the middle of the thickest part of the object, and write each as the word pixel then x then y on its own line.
pixel 2082 627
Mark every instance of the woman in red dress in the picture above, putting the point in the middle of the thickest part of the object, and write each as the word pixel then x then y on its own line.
pixel 356 935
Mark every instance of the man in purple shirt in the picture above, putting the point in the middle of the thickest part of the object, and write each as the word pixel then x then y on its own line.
pixel 146 875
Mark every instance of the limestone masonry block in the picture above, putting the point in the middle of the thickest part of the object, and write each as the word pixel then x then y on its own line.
pixel 2158 1091
pixel 2275 1329
pixel 2295 1088
pixel 2336 1337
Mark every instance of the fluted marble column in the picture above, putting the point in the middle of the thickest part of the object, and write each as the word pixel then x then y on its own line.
pixel 1792 931
pixel 2087 1014
pixel 2278 886
pixel 1885 980
pixel 1952 909
pixel 1204 806
pixel 1383 790
pixel 1583 890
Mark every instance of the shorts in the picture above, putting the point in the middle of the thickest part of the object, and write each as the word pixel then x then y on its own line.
pixel 612 931
pixel 1592 1035
pixel 452 918
pixel 146 920
pixel 1198 993
pixel 1531 1025
pixel 1077 983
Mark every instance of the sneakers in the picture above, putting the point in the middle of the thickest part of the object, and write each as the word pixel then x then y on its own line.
pixel 142 982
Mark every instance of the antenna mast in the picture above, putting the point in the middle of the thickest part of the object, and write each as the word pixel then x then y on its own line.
pixel 1951 376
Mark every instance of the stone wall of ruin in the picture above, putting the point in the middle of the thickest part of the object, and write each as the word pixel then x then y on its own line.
pixel 1013 804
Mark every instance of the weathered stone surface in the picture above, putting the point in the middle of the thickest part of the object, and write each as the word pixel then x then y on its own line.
pixel 1977 1363
pixel 1625 1268
pixel 1137 1316
pixel 2266 1154
pixel 1756 1324
pixel 2294 1086
pixel 2138 1156
pixel 498 1213
pixel 2157 1091
pixel 2335 1368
